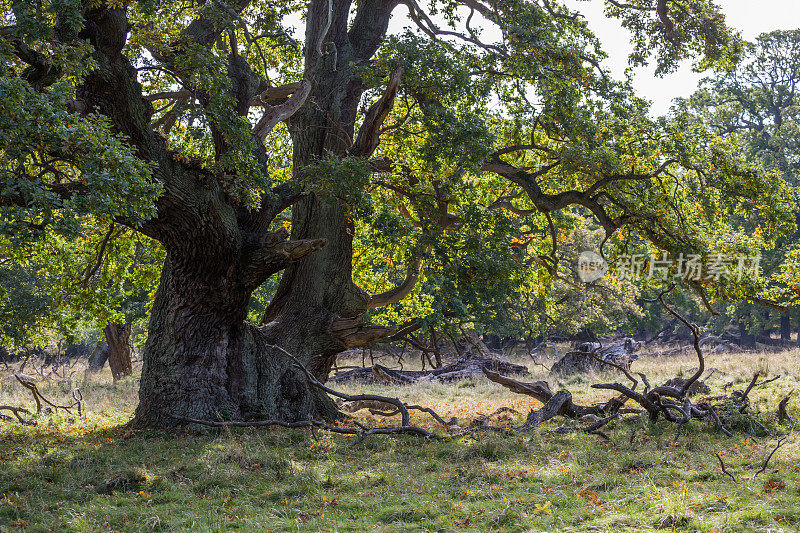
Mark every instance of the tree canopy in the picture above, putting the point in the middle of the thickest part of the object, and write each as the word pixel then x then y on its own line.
pixel 388 178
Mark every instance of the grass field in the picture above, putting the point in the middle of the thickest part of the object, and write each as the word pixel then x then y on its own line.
pixel 92 474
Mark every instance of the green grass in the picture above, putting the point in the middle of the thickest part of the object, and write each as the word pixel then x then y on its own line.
pixel 91 474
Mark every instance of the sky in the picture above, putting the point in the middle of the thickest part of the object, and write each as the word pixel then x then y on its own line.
pixel 749 17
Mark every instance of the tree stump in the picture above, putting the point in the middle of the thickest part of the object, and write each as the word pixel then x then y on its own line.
pixel 119 349
pixel 98 357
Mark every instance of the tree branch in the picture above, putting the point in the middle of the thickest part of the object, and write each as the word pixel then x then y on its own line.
pixel 266 254
pixel 369 134
pixel 396 294
pixel 275 114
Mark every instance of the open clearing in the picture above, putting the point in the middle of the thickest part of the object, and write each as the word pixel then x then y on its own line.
pixel 92 474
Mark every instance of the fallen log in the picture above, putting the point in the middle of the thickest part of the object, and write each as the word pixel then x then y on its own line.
pixel 593 356
pixel 466 367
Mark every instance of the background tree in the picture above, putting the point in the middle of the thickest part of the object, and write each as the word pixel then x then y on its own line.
pixel 756 104
pixel 101 279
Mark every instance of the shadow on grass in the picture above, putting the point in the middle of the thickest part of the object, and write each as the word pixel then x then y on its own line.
pixel 91 475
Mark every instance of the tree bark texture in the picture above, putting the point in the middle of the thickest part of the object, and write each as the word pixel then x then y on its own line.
pixel 786 328
pixel 119 349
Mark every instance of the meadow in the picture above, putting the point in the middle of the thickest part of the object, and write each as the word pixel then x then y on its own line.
pixel 91 473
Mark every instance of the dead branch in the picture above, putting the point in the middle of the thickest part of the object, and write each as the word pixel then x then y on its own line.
pixel 540 390
pixel 670 400
pixel 744 400
pixel 375 409
pixel 17 412
pixel 768 381
pixel 696 338
pixel 591 429
pixel 783 412
pixel 725 470
pixel 713 413
pixel 781 442
pixel 483 420
pixel 621 368
pixel 29 383
pixel 362 432
pixel 399 405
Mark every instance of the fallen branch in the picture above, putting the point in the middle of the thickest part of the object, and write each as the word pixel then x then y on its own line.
pixel 747 391
pixel 781 442
pixel 17 412
pixel 483 420
pixel 30 384
pixel 670 400
pixel 725 470
pixel 591 429
pixel 467 366
pixel 713 413
pixel 554 404
pixel 405 426
pixel 362 432
pixel 695 337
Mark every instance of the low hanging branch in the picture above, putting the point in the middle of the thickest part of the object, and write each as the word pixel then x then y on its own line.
pixel 398 293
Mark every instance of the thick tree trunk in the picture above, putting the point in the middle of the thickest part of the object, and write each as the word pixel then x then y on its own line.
pixel 786 329
pixel 746 339
pixel 203 361
pixel 119 349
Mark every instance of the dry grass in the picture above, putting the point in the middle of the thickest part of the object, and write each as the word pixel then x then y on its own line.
pixel 91 474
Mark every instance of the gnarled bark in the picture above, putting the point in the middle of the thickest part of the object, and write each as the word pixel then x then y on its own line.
pixel 119 349
pixel 203 361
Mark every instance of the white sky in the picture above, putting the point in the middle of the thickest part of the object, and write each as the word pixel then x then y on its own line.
pixel 749 17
